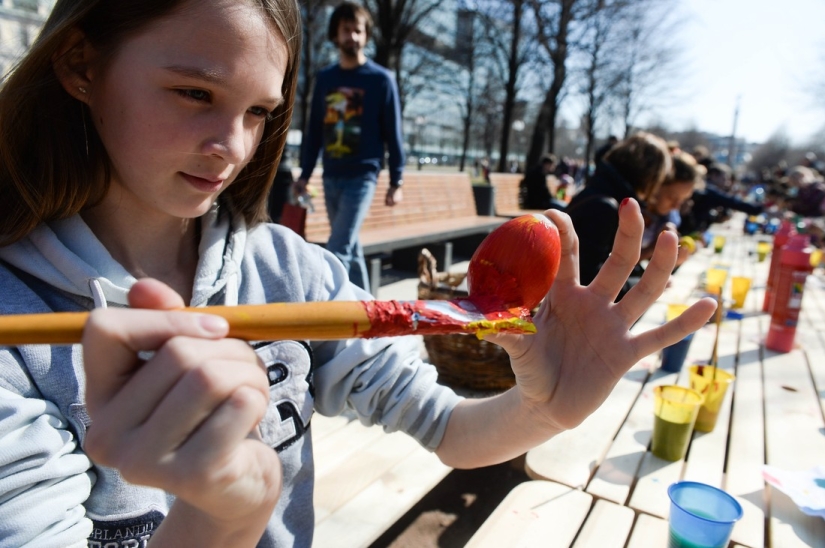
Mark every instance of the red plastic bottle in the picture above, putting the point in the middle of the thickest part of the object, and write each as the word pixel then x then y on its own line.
pixel 783 233
pixel 787 295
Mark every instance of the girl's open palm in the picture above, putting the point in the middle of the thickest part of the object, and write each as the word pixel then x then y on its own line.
pixel 583 345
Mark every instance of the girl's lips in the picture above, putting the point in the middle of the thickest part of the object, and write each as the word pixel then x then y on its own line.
pixel 203 185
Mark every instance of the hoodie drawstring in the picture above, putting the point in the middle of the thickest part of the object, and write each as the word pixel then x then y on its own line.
pixel 97 293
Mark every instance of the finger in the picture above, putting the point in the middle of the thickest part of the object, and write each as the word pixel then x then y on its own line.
pixel 154 294
pixel 193 399
pixel 113 337
pixel 625 254
pixel 155 380
pixel 653 281
pixel 228 426
pixel 569 262
pixel 182 471
pixel 675 330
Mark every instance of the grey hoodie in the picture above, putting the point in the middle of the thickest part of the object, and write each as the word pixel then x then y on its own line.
pixel 51 494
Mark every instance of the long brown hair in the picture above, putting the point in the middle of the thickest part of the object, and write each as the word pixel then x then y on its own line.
pixel 52 162
pixel 643 160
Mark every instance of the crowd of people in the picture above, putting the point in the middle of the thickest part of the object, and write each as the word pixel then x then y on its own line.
pixel 683 192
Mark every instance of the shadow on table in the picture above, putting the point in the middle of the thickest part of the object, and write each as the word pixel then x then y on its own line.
pixel 749 357
pixel 620 470
pixel 454 510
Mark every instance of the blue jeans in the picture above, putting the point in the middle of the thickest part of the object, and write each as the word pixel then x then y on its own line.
pixel 348 201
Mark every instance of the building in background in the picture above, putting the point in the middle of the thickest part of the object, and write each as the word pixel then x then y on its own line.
pixel 20 21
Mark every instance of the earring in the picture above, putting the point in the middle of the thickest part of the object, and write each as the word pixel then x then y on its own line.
pixel 81 89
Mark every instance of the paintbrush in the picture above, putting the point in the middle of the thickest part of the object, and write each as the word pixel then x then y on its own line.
pixel 508 275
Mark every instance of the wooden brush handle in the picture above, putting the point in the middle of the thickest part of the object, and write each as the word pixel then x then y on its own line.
pixel 280 321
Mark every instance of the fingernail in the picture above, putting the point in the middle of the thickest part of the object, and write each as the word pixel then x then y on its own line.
pixel 624 203
pixel 214 325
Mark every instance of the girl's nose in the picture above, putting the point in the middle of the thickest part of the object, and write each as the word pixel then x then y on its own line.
pixel 227 140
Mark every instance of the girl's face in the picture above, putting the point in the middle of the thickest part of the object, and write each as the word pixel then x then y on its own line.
pixel 672 197
pixel 181 106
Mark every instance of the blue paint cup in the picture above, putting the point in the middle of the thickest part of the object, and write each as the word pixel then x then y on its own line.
pixel 673 356
pixel 701 516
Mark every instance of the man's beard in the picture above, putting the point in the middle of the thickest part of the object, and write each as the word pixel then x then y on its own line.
pixel 350 50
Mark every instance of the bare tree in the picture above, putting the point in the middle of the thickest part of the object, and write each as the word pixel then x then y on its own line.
pixel 771 152
pixel 599 73
pixel 394 23
pixel 553 19
pixel 652 59
pixel 316 53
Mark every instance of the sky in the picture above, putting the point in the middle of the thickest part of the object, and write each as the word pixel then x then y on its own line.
pixel 761 53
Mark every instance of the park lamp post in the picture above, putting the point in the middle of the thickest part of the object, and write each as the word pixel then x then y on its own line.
pixel 518 126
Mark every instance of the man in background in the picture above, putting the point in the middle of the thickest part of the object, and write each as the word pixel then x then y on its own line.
pixel 355 117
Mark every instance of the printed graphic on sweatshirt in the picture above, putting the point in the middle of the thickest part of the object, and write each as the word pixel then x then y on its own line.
pixel 131 532
pixel 288 366
pixel 342 122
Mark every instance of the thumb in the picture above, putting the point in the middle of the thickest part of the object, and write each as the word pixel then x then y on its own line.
pixel 151 293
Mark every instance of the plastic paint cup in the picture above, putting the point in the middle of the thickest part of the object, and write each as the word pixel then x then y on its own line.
pixel 701 516
pixel 674 311
pixel 715 280
pixel 718 244
pixel 739 287
pixel 673 356
pixel 674 412
pixel 762 250
pixel 713 389
pixel 816 257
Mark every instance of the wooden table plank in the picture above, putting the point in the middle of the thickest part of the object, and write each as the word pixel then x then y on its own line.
pixel 655 474
pixel 338 485
pixel 707 449
pixel 649 532
pixel 570 457
pixel 793 416
pixel 364 518
pixel 608 526
pixel 342 444
pixel 535 513
pixel 746 454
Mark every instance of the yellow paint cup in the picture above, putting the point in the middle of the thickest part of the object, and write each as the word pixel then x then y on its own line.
pixel 674 311
pixel 816 257
pixel 762 250
pixel 674 413
pixel 718 244
pixel 712 383
pixel 739 287
pixel 715 280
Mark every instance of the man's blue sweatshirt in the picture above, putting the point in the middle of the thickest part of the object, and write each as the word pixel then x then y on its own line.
pixel 355 114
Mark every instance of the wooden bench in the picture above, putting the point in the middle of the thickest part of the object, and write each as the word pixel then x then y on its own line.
pixel 507 191
pixel 438 208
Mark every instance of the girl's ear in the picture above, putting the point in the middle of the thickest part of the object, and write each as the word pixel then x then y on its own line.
pixel 72 65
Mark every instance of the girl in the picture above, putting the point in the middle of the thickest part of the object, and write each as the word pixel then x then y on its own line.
pixel 632 169
pixel 138 140
pixel 662 211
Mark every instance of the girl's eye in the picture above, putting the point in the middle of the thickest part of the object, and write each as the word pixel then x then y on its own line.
pixel 261 112
pixel 194 94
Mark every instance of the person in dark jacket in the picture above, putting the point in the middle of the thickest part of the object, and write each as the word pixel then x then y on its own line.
pixel 711 204
pixel 633 168
pixel 533 191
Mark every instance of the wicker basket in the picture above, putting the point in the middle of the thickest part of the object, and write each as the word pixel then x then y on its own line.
pixel 462 361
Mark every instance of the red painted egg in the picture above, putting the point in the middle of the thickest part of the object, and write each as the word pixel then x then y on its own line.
pixel 516 264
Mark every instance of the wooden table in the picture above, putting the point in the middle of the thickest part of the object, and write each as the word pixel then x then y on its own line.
pixel 599 485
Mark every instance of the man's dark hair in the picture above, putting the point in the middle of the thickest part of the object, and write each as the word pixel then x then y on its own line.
pixel 348 11
pixel 549 159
